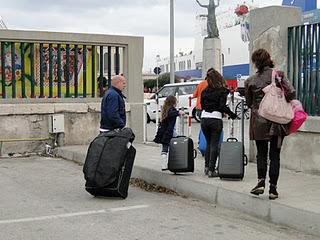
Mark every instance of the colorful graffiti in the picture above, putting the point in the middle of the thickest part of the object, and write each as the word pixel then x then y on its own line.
pixel 45 68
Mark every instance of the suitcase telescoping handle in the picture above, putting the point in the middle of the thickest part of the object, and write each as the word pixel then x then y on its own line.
pixel 242 121
pixel 232 139
pixel 245 157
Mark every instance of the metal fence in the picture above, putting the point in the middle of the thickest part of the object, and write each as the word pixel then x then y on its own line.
pixel 304 65
pixel 57 69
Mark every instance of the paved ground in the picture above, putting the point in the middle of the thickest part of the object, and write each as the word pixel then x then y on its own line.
pixel 43 198
pixel 297 207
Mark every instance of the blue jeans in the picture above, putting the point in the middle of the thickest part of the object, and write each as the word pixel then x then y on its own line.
pixel 165 149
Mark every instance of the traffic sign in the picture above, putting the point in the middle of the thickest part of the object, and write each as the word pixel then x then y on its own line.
pixel 157 70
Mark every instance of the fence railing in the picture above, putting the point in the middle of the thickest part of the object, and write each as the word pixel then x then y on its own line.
pixel 57 69
pixel 304 65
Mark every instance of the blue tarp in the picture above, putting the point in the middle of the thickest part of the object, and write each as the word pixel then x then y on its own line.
pixel 231 72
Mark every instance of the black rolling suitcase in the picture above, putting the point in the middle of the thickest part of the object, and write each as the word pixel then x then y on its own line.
pixel 109 163
pixel 232 158
pixel 181 155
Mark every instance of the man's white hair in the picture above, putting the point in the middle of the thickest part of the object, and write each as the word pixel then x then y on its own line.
pixel 117 78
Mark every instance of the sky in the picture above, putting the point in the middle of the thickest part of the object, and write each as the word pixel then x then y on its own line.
pixel 147 18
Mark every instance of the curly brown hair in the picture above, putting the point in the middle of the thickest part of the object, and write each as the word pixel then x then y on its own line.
pixel 261 59
pixel 171 101
pixel 214 79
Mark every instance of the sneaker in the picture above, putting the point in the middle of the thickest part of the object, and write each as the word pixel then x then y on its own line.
pixel 273 194
pixel 212 174
pixel 206 171
pixel 259 188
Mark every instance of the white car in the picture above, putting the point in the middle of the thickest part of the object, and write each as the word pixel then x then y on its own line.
pixel 182 90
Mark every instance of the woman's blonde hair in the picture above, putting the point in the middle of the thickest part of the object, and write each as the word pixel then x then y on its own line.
pixel 171 101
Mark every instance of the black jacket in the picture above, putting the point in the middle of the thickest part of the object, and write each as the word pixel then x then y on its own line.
pixel 113 113
pixel 165 129
pixel 216 100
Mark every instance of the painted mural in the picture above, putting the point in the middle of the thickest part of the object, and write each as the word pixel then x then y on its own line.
pixel 64 70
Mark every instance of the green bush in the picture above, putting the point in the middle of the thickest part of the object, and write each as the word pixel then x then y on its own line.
pixel 162 80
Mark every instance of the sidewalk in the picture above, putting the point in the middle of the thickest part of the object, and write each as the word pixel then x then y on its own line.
pixel 298 205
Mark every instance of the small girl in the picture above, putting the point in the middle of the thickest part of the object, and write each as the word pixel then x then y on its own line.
pixel 166 127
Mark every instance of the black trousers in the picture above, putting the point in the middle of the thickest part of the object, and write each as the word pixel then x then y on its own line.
pixel 211 128
pixel 274 156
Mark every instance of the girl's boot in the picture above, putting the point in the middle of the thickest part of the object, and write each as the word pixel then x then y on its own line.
pixel 164 163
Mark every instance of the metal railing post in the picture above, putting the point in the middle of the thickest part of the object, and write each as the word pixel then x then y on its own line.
pixel 144 123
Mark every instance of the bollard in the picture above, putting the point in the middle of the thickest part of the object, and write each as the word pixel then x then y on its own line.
pixel 144 123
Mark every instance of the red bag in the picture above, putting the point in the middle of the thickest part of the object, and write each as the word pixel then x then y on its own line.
pixel 300 116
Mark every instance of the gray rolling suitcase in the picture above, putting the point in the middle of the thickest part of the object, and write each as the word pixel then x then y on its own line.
pixel 181 155
pixel 232 158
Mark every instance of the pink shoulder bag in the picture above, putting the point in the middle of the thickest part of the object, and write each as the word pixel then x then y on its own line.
pixel 274 106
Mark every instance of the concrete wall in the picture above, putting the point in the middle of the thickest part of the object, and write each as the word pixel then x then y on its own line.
pixel 269 30
pixel 31 120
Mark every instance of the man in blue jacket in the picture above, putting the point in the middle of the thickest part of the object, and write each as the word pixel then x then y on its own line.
pixel 113 113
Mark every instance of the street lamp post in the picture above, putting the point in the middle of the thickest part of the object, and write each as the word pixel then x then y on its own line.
pixel 171 41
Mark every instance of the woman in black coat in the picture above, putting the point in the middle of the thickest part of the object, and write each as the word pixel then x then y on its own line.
pixel 268 135
pixel 213 103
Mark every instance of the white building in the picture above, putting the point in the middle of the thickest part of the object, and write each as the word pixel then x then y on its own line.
pixel 233 33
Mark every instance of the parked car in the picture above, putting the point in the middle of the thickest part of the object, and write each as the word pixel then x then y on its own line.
pixel 182 90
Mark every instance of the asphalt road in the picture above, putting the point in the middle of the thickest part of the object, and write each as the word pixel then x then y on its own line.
pixel 44 198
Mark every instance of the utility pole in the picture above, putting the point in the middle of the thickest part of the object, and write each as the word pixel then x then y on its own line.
pixel 171 41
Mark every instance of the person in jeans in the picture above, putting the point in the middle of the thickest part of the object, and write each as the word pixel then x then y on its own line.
pixel 267 135
pixel 213 103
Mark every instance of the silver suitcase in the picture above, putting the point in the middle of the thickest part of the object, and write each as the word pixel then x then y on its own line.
pixel 232 158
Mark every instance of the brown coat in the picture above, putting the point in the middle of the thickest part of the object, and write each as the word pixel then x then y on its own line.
pixel 261 128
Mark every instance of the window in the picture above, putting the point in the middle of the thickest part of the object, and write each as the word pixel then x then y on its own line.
pixel 167 91
pixel 105 62
pixel 222 59
pixel 187 89
pixel 189 64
